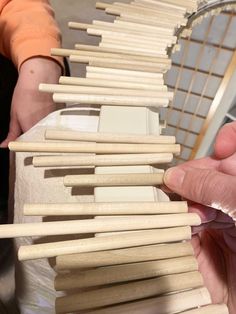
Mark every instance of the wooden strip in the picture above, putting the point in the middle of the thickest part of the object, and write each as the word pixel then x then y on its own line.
pixel 130 208
pixel 98 225
pixel 155 4
pixel 75 89
pixel 123 256
pixel 132 49
pixel 127 179
pixel 121 50
pixel 102 160
pixel 98 244
pixel 172 303
pixel 128 292
pixel 56 147
pixel 68 52
pixel 127 272
pixel 111 100
pixel 210 309
pixel 100 137
pixel 108 83
pixel 121 64
pixel 127 73
pixel 151 81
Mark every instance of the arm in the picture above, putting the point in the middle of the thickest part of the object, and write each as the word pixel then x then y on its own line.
pixel 28 31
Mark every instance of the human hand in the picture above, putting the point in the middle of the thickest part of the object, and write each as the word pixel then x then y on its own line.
pixel 210 185
pixel 29 105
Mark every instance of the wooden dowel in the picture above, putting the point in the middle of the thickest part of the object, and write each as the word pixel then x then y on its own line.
pixel 86 59
pixel 145 51
pixel 100 29
pixel 108 83
pixel 157 4
pixel 74 89
pixel 127 292
pixel 97 244
pixel 124 79
pixel 130 208
pixel 123 50
pixel 127 73
pixel 122 273
pixel 98 225
pixel 210 309
pixel 121 64
pixel 162 32
pixel 102 137
pixel 127 179
pixel 102 160
pixel 172 303
pixel 89 53
pixel 111 100
pixel 123 256
pixel 57 147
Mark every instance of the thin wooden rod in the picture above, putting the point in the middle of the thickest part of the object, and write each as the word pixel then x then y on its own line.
pixel 68 52
pixel 130 208
pixel 124 50
pixel 162 32
pixel 160 5
pixel 133 49
pixel 210 309
pixel 102 160
pixel 128 292
pixel 124 79
pixel 123 256
pixel 98 244
pixel 110 83
pixel 102 137
pixel 100 148
pixel 75 89
pixel 98 225
pixel 172 303
pixel 122 273
pixel 127 179
pixel 127 73
pixel 93 29
pixel 111 100
pixel 121 64
pixel 157 4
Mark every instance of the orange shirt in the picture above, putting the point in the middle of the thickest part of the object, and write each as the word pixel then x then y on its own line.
pixel 27 29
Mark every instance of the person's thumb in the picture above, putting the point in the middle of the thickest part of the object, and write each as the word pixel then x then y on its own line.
pixel 14 132
pixel 204 186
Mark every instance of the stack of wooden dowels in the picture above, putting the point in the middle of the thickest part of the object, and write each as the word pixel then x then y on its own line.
pixel 140 260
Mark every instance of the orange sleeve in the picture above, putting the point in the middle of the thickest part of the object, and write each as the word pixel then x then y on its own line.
pixel 27 29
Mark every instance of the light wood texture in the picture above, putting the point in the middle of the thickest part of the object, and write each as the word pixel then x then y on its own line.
pixel 127 179
pixel 74 89
pixel 111 100
pixel 127 272
pixel 128 208
pixel 123 256
pixel 128 292
pixel 100 148
pixel 123 50
pixel 98 244
pixel 108 83
pixel 166 5
pixel 210 309
pixel 172 303
pixel 102 160
pixel 98 225
pixel 102 137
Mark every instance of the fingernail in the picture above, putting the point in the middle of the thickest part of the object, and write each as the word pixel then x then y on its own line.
pixel 174 178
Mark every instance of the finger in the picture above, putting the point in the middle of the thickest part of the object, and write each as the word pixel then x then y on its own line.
pixel 207 214
pixel 14 132
pixel 203 186
pixel 225 144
